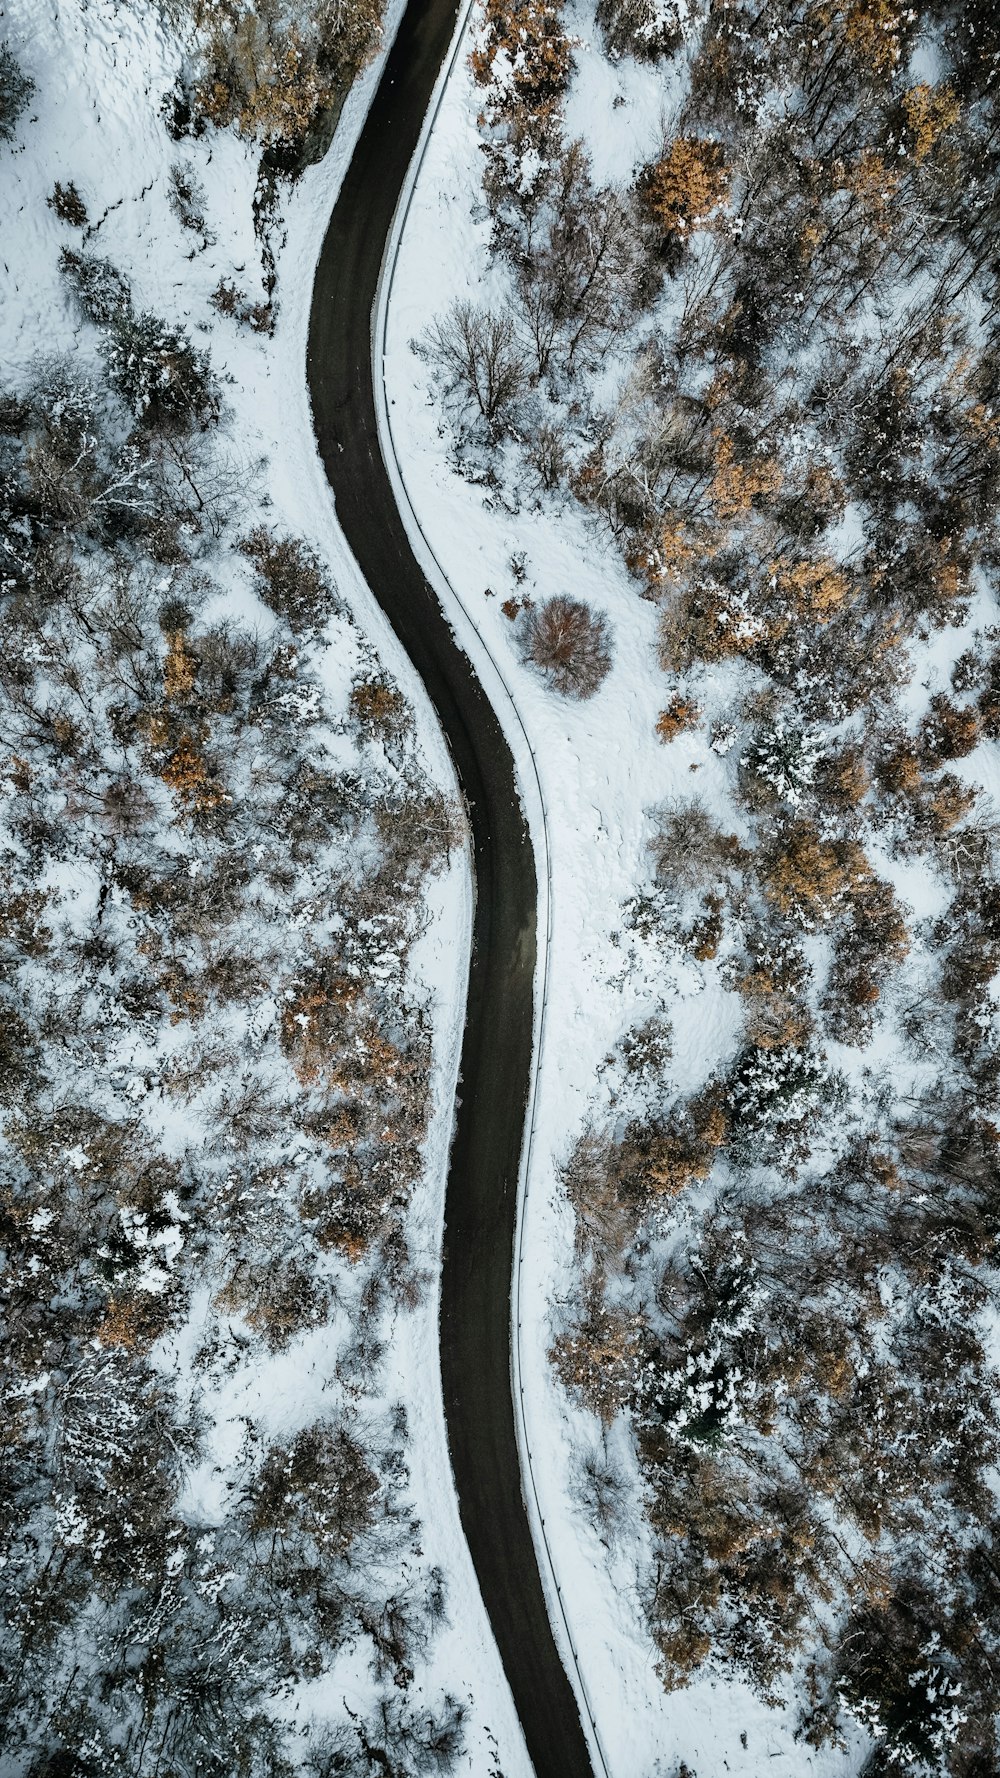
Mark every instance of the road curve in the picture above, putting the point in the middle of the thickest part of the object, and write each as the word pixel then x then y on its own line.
pixel 481 1201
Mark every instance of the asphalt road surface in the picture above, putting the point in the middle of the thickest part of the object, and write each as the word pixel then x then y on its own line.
pixel 496 1052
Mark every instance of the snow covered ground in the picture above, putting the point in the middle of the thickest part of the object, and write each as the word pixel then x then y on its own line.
pixel 102 71
pixel 600 768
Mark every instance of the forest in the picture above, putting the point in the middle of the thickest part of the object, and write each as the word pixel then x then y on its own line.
pixel 765 371
pixel 217 835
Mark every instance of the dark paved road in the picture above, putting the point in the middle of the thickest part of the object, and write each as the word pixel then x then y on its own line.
pixel 496 1052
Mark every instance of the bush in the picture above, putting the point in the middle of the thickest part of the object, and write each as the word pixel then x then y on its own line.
pixel 688 847
pixel 266 83
pixel 378 705
pixel 569 644
pixel 165 381
pixel 531 41
pixel 68 204
pixel 641 28
pixel 682 188
pixel 16 89
pixel 293 582
pixel 949 731
pixel 101 290
pixel 680 714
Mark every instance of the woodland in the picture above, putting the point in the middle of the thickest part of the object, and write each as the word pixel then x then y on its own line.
pixel 765 371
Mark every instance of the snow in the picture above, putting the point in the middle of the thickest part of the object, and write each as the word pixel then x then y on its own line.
pixel 102 70
pixel 589 773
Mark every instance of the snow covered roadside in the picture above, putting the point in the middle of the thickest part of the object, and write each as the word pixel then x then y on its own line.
pixel 600 767
pixel 101 71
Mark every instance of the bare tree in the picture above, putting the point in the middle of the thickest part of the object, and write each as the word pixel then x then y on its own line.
pixel 478 349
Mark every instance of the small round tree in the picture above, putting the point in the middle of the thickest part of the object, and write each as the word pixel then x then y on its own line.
pixel 569 644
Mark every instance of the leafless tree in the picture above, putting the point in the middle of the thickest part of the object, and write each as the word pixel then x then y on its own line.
pixel 478 349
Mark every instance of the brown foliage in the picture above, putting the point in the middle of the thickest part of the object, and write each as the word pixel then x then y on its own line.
pixel 682 189
pixel 949 730
pixel 379 705
pixel 180 669
pixel 531 40
pixel 291 578
pixel 808 878
pixel 569 644
pixel 598 1359
pixel 681 713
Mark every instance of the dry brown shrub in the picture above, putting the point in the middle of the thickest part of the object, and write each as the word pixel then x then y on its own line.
pixel 930 111
pixel 808 878
pixel 875 30
pixel 293 581
pixel 532 42
pixel 774 1018
pixel 843 777
pixel 569 644
pixel 949 731
pixel 599 1359
pixel 710 622
pixel 949 801
pixel 899 771
pixel 180 668
pixel 705 936
pixel 264 81
pixel 657 1162
pixel 814 590
pixel 680 714
pixel 681 190
pixel 185 770
pixel 689 848
pixel 277 1301
pixel 131 1324
pixel 737 488
pixel 378 705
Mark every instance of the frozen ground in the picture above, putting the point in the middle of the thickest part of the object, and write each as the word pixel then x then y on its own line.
pixel 600 767
pixel 102 70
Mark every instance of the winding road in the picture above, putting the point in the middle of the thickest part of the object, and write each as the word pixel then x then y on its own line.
pixel 481 1202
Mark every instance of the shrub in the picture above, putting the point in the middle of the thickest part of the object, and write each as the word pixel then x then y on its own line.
pixel 165 381
pixel 264 81
pixel 379 705
pixel 689 848
pixel 68 204
pixel 101 290
pixel 814 590
pixel 809 878
pixel 187 200
pixel 709 622
pixel 680 714
pixel 599 1359
pixel 522 55
pixel 930 111
pixel 681 189
pixel 949 731
pixel 16 89
pixel 641 28
pixel 569 644
pixel 293 582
